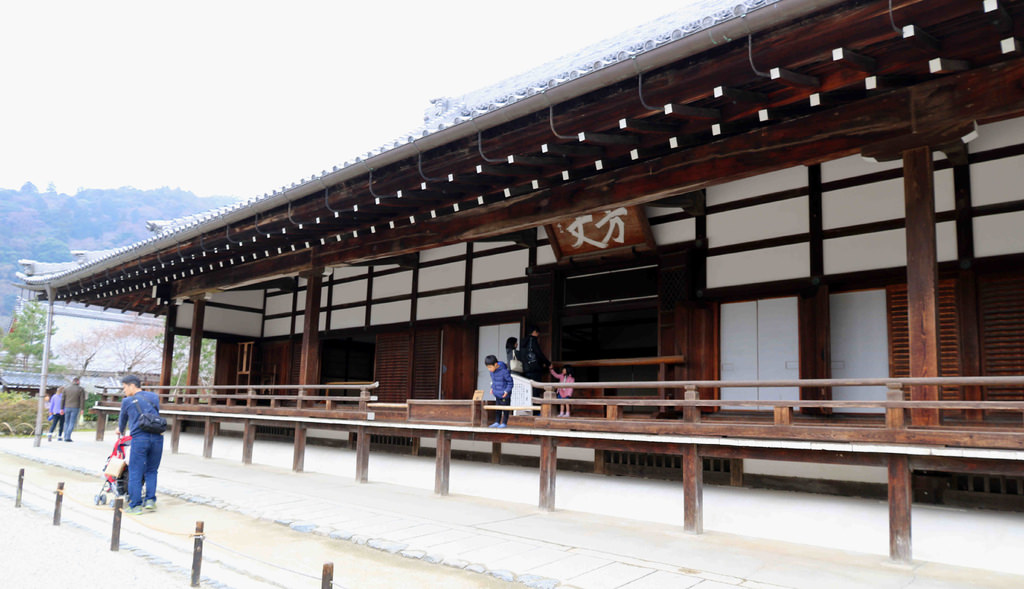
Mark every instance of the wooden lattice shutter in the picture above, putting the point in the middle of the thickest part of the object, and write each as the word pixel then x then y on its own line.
pixel 392 367
pixel 426 373
pixel 949 336
pixel 1001 302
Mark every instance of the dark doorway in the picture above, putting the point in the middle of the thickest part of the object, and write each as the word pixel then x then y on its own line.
pixel 347 360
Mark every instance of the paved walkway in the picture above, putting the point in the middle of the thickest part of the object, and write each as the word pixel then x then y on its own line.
pixel 608 532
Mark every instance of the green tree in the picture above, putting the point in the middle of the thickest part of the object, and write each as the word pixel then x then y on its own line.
pixel 179 362
pixel 24 343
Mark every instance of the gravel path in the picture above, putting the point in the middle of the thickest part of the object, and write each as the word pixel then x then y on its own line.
pixel 75 556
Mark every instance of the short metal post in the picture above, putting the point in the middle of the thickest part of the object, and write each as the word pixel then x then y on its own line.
pixel 197 554
pixel 57 504
pixel 21 483
pixel 327 581
pixel 115 532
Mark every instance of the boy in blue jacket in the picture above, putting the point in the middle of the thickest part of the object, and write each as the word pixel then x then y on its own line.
pixel 501 387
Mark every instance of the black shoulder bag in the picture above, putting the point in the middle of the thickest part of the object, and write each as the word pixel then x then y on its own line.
pixel 150 423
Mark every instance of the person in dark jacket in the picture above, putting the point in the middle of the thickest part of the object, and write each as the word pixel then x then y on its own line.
pixel 71 406
pixel 147 448
pixel 501 387
pixel 535 363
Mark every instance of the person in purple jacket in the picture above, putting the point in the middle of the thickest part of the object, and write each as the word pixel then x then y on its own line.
pixel 501 387
pixel 56 415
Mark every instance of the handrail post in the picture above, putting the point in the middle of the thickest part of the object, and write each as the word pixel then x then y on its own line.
pixel 691 413
pixel 364 399
pixel 548 408
pixel 894 416
pixel 298 398
pixel 197 554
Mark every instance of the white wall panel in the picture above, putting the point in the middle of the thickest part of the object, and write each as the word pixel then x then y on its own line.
pixel 1001 134
pixel 859 335
pixel 322 323
pixel 483 246
pixel 348 318
pixel 449 305
pixel 855 165
pixel 756 186
pixel 387 313
pixel 766 265
pixel 184 317
pixel 501 266
pixel 545 255
pixel 760 341
pixel 997 181
pixel 349 272
pixel 679 231
pixel 443 252
pixel 883 249
pixel 945 197
pixel 866 203
pixel 232 321
pixel 240 298
pixel 298 319
pixel 777 219
pixel 505 298
pixel 349 292
pixel 276 327
pixel 392 285
pixel 279 304
pixel 445 276
pixel 999 234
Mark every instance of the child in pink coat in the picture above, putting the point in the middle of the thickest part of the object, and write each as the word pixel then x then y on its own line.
pixel 566 377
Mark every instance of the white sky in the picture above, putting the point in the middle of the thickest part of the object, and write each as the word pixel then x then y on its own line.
pixel 240 97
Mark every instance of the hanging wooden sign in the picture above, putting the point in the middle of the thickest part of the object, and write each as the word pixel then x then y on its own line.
pixel 600 231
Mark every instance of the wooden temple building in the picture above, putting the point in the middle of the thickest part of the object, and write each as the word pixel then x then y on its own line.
pixel 775 239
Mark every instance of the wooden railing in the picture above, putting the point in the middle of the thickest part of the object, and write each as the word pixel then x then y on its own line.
pixel 207 396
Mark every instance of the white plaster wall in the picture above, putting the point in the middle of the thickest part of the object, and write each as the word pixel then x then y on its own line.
pixel 483 246
pixel 449 305
pixel 232 321
pixel 278 304
pixel 349 292
pixel 349 272
pixel 276 327
pixel 184 317
pixel 297 320
pixel 505 298
pixel 884 249
pixel 545 255
pixel 999 234
pixel 997 181
pixel 766 265
pixel 757 186
pixel 831 472
pixel 240 298
pixel 445 276
pixel 347 318
pixel 1000 134
pixel 387 313
pixel 854 165
pixel 777 219
pixel 679 231
pixel 501 266
pixel 866 203
pixel 392 285
pixel 443 252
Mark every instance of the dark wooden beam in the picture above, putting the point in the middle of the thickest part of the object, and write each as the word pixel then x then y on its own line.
pixel 508 170
pixel 855 60
pixel 572 149
pixel 943 65
pixel 689 112
pixel 542 161
pixel 608 139
pixel 740 95
pixel 921 38
pixel 922 278
pixel 998 16
pixel 645 126
pixel 792 78
pixel 309 355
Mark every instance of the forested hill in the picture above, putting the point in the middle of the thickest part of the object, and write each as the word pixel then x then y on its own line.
pixel 46 226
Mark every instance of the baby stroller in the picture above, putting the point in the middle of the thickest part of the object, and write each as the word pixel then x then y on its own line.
pixel 114 484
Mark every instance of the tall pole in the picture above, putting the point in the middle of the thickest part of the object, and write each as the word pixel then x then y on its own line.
pixel 46 368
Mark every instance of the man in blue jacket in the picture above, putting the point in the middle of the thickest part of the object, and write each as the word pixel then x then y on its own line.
pixel 501 387
pixel 147 448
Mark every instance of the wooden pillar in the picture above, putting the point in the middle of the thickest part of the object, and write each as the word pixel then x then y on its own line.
pixel 815 346
pixel 922 279
pixel 167 361
pixel 101 425
pixel 736 472
pixel 693 490
pixel 495 452
pixel 600 462
pixel 195 344
pixel 967 282
pixel 309 362
pixel 362 454
pixel 299 448
pixel 175 433
pixel 900 497
pixel 442 462
pixel 248 441
pixel 207 437
pixel 548 468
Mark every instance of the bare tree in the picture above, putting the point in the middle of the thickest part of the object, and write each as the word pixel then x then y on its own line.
pixel 136 347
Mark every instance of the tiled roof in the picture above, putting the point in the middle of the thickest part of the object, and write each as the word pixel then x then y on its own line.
pixel 29 380
pixel 444 114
